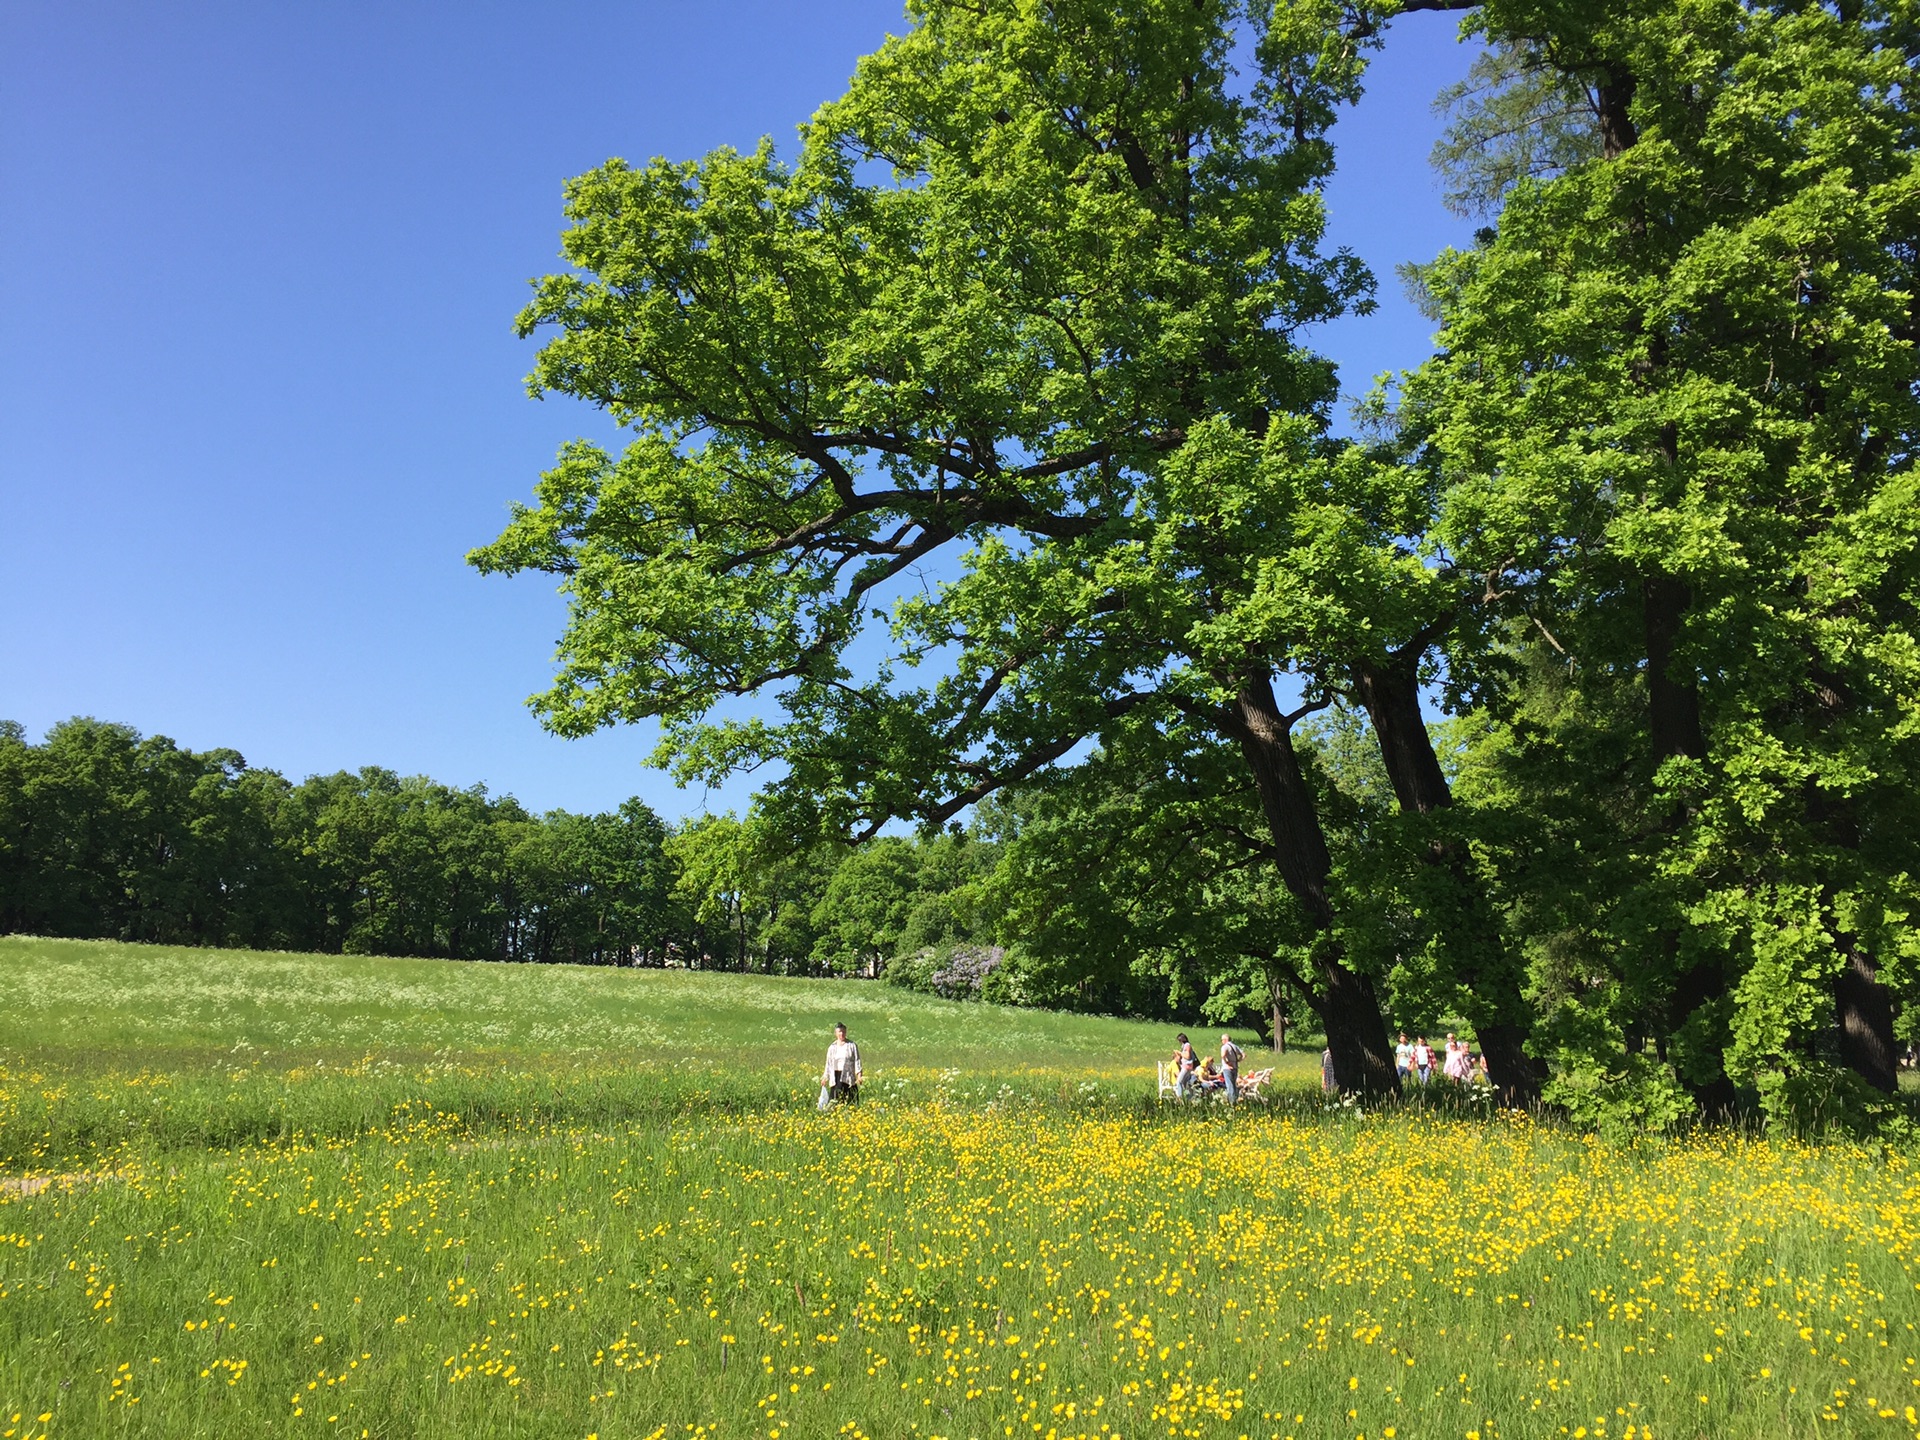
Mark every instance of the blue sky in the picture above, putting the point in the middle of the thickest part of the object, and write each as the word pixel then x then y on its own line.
pixel 259 392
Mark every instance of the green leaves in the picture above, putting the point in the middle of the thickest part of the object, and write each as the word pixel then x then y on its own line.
pixel 1516 117
pixel 974 441
pixel 1678 397
pixel 670 569
pixel 919 422
pixel 106 834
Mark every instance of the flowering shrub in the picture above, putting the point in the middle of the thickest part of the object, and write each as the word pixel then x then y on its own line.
pixel 959 971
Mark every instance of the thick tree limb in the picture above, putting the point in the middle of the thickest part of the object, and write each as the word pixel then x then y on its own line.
pixel 1034 760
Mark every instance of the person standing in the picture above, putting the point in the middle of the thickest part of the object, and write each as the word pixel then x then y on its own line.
pixel 1423 1059
pixel 1230 1057
pixel 1186 1065
pixel 1328 1084
pixel 843 1074
pixel 1403 1058
pixel 1459 1066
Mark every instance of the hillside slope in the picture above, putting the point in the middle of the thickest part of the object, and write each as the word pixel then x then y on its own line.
pixel 100 996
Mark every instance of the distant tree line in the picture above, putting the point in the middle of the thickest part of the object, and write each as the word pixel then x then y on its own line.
pixel 106 833
pixel 109 834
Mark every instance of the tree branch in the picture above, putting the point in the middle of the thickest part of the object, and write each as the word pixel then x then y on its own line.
pixel 1294 717
pixel 995 679
pixel 1422 639
pixel 1027 764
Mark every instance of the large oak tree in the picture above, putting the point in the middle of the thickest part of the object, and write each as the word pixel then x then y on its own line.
pixel 997 384
pixel 1677 409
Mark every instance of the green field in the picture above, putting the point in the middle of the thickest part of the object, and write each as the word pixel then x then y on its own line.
pixel 109 1046
pixel 273 1194
pixel 91 997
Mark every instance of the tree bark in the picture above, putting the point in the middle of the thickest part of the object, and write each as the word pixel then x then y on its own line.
pixel 1514 1073
pixel 1675 731
pixel 1863 1008
pixel 1613 99
pixel 1673 703
pixel 1266 741
pixel 1391 694
pixel 1862 1005
pixel 1356 1031
pixel 1349 1006
pixel 1701 985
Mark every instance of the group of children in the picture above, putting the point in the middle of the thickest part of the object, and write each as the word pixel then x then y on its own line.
pixel 1416 1060
pixel 1458 1063
pixel 1194 1073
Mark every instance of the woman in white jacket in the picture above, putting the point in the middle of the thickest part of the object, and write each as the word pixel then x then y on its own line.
pixel 841 1079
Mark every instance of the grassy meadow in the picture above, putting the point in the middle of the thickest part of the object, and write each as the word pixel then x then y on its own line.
pixel 108 1046
pixel 248 1194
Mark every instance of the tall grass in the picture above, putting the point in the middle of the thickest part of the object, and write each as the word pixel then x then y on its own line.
pixel 274 1205
pixel 99 995
pixel 970 1270
pixel 108 1048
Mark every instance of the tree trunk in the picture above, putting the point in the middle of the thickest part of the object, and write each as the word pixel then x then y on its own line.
pixel 1391 695
pixel 1675 731
pixel 1514 1073
pixel 1288 805
pixel 1356 1032
pixel 1701 985
pixel 1863 1007
pixel 1348 1006
pixel 1673 702
pixel 1613 97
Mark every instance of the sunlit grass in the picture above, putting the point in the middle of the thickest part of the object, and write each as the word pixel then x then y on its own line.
pixel 107 1047
pixel 101 996
pixel 320 1228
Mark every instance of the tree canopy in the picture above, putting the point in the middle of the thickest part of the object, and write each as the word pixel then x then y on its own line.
pixel 1024 307
pixel 1675 410
pixel 108 833
pixel 979 436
